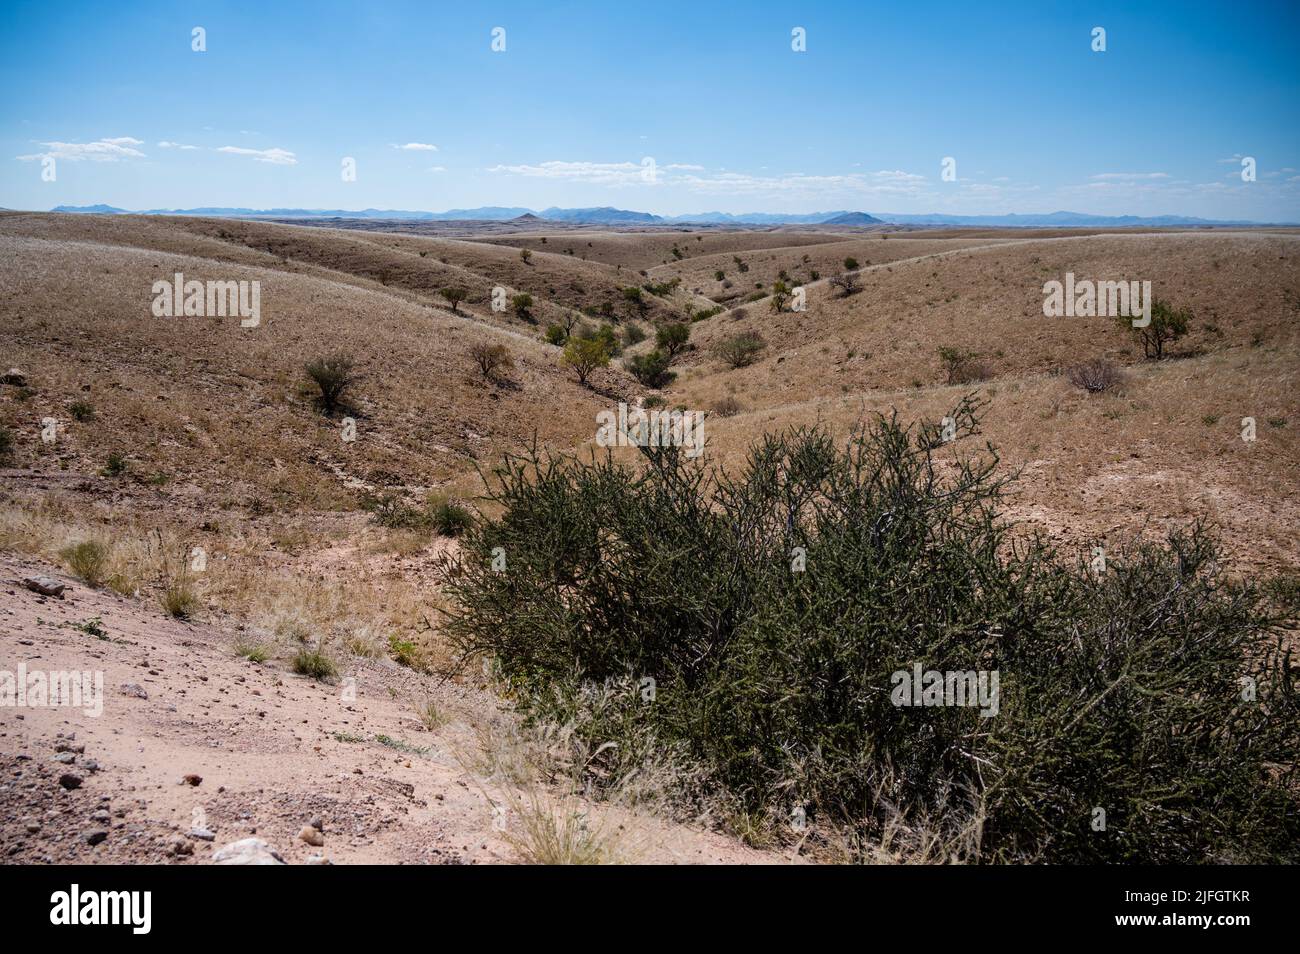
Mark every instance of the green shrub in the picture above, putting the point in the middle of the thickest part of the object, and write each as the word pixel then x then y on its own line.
pixel 449 518
pixel 115 466
pixel 6 443
pixel 651 369
pixel 1167 325
pixel 391 510
pixel 585 355
pixel 672 337
pixel 1120 691
pixel 740 350
pixel 82 411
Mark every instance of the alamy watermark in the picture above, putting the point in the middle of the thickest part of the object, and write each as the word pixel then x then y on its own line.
pixel 1088 299
pixel 973 688
pixel 37 689
pixel 195 299
pixel 637 427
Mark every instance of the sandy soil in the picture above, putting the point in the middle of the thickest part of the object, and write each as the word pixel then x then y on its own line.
pixel 274 752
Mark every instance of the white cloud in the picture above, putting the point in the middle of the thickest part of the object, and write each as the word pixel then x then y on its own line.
pixel 886 182
pixel 278 157
pixel 1129 176
pixel 597 173
pixel 164 144
pixel 417 147
pixel 437 168
pixel 101 150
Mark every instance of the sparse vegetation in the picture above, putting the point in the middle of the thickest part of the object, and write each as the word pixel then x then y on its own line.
pixel 651 369
pixel 585 355
pixel 1167 325
pixel 82 411
pixel 846 282
pixel 333 375
pixel 740 350
pixel 1096 375
pixel 672 337
pixel 963 367
pixel 315 664
pixel 492 359
pixel 454 296
pixel 522 305
pixel 115 466
pixel 88 561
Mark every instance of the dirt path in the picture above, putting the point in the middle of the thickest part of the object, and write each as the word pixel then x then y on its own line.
pixel 274 751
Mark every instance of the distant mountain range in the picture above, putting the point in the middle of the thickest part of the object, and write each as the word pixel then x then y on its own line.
pixel 605 215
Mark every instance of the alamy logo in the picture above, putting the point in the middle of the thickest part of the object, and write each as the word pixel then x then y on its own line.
pixel 1088 299
pixel 37 689
pixel 103 907
pixel 637 427
pixel 953 688
pixel 212 299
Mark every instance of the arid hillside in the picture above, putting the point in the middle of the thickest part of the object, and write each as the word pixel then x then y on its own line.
pixel 322 554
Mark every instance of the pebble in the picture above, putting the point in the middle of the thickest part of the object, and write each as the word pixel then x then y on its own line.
pixel 70 780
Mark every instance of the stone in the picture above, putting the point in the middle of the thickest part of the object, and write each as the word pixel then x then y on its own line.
pixel 70 780
pixel 94 836
pixel 312 836
pixel 45 586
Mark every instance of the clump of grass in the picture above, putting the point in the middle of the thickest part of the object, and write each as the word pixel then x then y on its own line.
pixel 429 715
pixel 315 664
pixel 178 598
pixel 88 561
pixel 253 652
pixel 116 466
pixel 449 518
pixel 93 627
pixel 406 653
pixel 401 745
pixel 548 831
pixel 6 443
pixel 82 411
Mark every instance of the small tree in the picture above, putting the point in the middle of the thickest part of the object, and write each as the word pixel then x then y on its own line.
pixel 850 264
pixel 522 305
pixel 651 369
pixel 585 355
pixel 740 350
pixel 333 375
pixel 526 255
pixel 671 338
pixel 491 359
pixel 454 296
pixel 1167 324
pixel 780 296
pixel 556 335
pixel 847 283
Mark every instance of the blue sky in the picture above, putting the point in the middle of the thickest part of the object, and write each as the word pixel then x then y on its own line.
pixel 584 93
